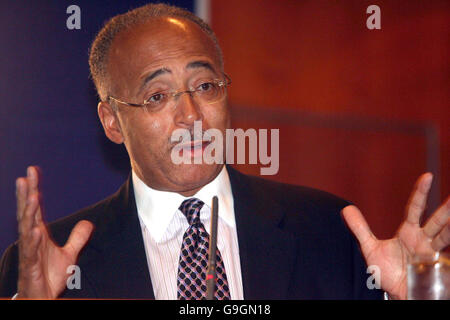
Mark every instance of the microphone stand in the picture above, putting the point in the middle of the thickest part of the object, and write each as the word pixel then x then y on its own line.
pixel 211 276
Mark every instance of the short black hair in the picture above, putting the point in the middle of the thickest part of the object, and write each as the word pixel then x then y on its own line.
pixel 100 47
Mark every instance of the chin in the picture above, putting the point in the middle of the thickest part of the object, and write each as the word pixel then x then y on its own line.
pixel 194 176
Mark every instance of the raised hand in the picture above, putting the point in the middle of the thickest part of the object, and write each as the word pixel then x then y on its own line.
pixel 42 264
pixel 391 255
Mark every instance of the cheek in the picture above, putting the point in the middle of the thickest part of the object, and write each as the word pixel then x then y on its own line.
pixel 218 117
pixel 155 125
pixel 147 135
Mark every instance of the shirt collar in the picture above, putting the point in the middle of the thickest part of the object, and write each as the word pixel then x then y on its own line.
pixel 156 209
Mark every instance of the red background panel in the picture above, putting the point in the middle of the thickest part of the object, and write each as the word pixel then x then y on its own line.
pixel 362 113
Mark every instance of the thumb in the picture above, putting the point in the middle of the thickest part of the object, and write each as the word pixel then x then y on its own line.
pixel 358 225
pixel 78 237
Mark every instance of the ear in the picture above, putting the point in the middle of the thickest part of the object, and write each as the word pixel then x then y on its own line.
pixel 110 122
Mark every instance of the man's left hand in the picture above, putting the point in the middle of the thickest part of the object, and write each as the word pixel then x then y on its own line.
pixel 391 255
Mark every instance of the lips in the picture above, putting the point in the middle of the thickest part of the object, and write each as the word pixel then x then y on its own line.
pixel 193 148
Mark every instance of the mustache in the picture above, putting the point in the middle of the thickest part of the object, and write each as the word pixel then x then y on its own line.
pixel 197 135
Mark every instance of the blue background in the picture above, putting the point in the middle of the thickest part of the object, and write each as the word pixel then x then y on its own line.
pixel 48 112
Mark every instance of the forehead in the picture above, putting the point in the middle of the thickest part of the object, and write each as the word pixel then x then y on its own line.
pixel 160 43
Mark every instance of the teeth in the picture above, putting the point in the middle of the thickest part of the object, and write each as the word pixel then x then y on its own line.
pixel 207 136
pixel 197 145
pixel 192 146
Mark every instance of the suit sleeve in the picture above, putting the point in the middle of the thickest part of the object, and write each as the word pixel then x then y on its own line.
pixel 361 290
pixel 9 272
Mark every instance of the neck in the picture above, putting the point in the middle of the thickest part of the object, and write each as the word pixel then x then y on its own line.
pixel 190 193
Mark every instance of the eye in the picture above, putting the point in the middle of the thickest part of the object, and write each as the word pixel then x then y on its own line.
pixel 206 86
pixel 157 98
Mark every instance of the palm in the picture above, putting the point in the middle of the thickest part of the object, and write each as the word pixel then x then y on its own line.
pixel 47 274
pixel 391 255
pixel 42 264
pixel 54 262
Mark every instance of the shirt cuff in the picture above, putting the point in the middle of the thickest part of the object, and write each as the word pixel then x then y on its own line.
pixel 15 296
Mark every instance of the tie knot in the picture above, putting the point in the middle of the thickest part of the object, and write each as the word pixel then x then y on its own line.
pixel 191 209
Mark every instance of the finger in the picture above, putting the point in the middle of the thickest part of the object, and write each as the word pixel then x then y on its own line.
pixel 33 173
pixel 442 240
pixel 418 199
pixel 21 196
pixel 27 221
pixel 358 225
pixel 29 250
pixel 438 220
pixel 78 237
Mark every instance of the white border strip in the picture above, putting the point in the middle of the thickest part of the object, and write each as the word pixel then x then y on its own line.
pixel 202 9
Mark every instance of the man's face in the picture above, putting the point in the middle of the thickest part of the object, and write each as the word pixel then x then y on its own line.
pixel 166 54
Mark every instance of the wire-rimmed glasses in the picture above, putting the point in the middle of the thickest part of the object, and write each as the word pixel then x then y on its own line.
pixel 208 92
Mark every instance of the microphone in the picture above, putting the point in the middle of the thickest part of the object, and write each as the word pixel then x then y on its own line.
pixel 211 274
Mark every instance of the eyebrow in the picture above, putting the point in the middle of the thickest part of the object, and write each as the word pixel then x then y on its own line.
pixel 161 71
pixel 200 64
pixel 153 75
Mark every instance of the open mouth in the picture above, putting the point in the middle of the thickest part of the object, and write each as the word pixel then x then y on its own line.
pixel 192 148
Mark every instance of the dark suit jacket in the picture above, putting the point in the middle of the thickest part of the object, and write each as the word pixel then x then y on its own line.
pixel 293 244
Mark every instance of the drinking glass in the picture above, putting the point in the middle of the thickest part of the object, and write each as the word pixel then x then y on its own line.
pixel 429 277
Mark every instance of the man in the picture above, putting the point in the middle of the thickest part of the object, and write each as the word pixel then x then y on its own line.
pixel 158 69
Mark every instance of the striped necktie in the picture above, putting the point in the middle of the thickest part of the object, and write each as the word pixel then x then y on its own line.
pixel 193 263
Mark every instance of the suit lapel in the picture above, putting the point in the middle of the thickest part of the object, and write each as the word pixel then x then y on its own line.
pixel 120 268
pixel 267 253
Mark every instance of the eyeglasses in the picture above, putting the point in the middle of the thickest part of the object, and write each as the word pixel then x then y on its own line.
pixel 207 92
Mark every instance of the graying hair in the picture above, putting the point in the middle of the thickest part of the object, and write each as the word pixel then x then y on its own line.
pixel 98 55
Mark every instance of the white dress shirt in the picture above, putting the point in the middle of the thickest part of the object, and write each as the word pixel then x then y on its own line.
pixel 163 227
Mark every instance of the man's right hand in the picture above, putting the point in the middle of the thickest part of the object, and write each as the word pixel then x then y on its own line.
pixel 42 264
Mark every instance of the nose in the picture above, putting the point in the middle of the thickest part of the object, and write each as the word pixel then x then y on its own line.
pixel 187 111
